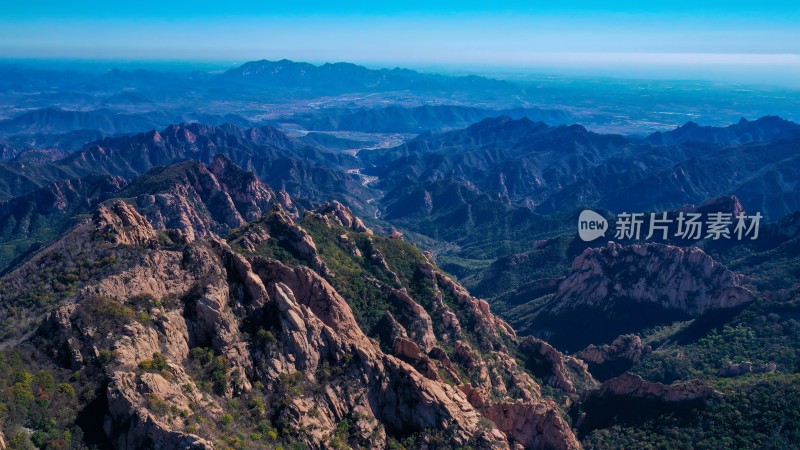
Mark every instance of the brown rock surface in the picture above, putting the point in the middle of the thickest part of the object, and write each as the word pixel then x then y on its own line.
pixel 677 278
pixel 279 328
pixel 555 369
pixel 609 360
pixel 533 425
pixel 343 216
pixel 631 385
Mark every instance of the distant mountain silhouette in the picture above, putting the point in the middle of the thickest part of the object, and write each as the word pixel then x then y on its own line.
pixel 347 77
pixel 398 119
pixel 59 128
pixel 765 129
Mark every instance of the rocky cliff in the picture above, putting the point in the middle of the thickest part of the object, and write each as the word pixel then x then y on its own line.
pixel 618 289
pixel 197 200
pixel 311 330
pixel 677 278
pixel 609 360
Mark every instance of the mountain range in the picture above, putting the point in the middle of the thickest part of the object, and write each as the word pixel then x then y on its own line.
pixel 398 119
pixel 288 162
pixel 294 324
pixel 560 168
pixel 329 317
pixel 287 255
pixel 332 78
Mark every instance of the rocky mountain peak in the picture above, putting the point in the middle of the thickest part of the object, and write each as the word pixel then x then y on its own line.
pixel 620 289
pixel 198 199
pixel 728 204
pixel 343 216
pixel 287 335
pixel 121 223
pixel 678 278
pixel 609 360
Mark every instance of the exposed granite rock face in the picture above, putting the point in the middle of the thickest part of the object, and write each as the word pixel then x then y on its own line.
pixel 631 385
pixel 407 348
pixel 283 199
pixel 622 289
pixel 532 425
pixel 343 216
pixel 607 361
pixel 251 197
pixel 269 322
pixel 390 329
pixel 198 200
pixel 417 322
pixel 675 278
pixel 143 429
pixel 555 369
pixel 744 368
pixel 283 227
pixel 486 323
pixel 122 224
pixel 202 293
pixel 729 204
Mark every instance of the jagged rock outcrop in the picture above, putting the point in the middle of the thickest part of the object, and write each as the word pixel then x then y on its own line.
pixel 487 323
pixel 417 322
pixel 298 239
pixel 622 289
pixel 632 385
pixel 532 425
pixel 728 204
pixel 122 224
pixel 197 199
pixel 390 329
pixel 279 332
pixel 343 216
pixel 609 360
pixel 554 368
pixel 251 197
pixel 144 428
pixel 676 278
pixel 744 368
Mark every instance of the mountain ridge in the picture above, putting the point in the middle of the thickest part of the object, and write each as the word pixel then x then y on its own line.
pixel 282 327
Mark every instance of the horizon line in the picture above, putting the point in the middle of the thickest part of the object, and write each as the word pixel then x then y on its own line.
pixel 751 69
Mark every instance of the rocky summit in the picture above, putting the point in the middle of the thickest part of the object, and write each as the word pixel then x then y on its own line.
pixel 185 336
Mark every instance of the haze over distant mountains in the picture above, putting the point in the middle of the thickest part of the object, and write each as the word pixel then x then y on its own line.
pixel 258 91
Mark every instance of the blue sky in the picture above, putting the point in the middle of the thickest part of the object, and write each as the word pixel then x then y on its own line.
pixel 688 39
